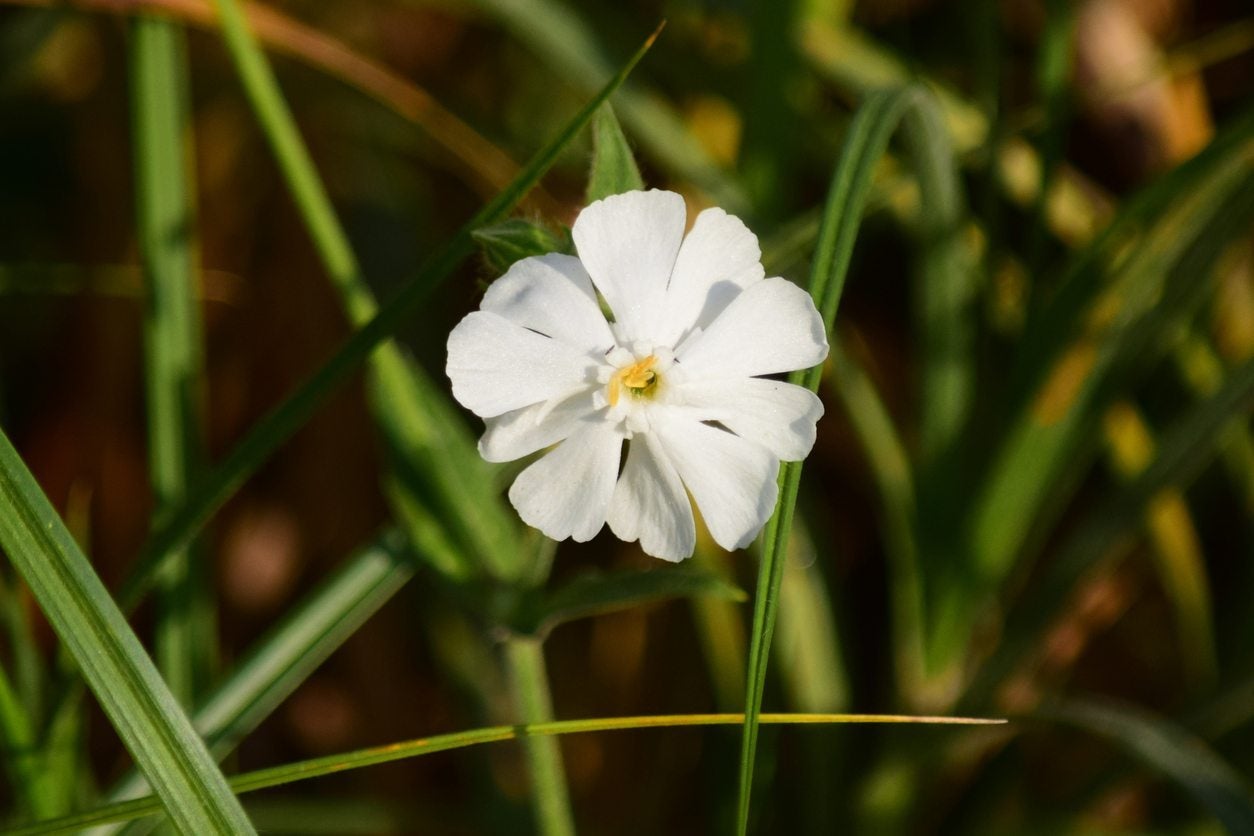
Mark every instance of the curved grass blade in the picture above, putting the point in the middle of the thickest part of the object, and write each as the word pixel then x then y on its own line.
pixel 291 651
pixel 1171 750
pixel 865 142
pixel 114 664
pixel 285 419
pixel 304 770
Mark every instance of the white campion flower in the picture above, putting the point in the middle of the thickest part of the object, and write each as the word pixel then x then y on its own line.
pixel 676 374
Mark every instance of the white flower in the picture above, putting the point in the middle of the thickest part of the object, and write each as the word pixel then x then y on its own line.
pixel 677 375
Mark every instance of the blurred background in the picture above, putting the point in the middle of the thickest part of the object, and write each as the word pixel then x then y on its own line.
pixel 1137 607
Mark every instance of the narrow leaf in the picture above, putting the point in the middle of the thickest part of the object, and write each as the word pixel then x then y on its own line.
pixel 865 142
pixel 614 168
pixel 304 770
pixel 596 594
pixel 119 672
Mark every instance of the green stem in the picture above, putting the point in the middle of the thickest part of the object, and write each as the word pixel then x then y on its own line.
pixel 524 660
pixel 171 326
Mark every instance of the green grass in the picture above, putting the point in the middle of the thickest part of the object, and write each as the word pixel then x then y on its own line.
pixel 1031 495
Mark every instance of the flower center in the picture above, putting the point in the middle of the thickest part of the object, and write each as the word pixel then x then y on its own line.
pixel 639 379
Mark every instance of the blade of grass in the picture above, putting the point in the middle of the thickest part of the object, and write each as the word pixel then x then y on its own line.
pixel 318 767
pixel 286 656
pixel 159 84
pixel 1171 750
pixel 282 421
pixel 119 672
pixel 865 142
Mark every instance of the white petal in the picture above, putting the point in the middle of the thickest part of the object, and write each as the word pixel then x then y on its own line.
pixel 567 492
pixel 777 415
pixel 650 505
pixel 719 258
pixel 628 243
pixel 496 365
pixel 771 327
pixel 731 479
pixel 552 294
pixel 523 431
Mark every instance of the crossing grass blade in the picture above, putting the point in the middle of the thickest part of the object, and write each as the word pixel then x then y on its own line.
pixel 286 656
pixel 865 142
pixel 266 436
pixel 121 675
pixel 305 770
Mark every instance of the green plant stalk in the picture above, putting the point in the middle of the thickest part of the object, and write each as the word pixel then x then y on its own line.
pixel 278 776
pixel 114 664
pixel 171 326
pixel 265 437
pixel 865 142
pixel 524 662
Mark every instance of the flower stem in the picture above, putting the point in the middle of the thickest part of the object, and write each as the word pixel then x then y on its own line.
pixel 524 660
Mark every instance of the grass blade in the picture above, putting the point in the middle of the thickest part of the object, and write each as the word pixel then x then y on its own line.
pixel 1170 750
pixel 119 672
pixel 865 142
pixel 318 767
pixel 285 419
pixel 184 635
pixel 295 648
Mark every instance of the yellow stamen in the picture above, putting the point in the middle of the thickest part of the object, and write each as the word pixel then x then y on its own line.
pixel 637 377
